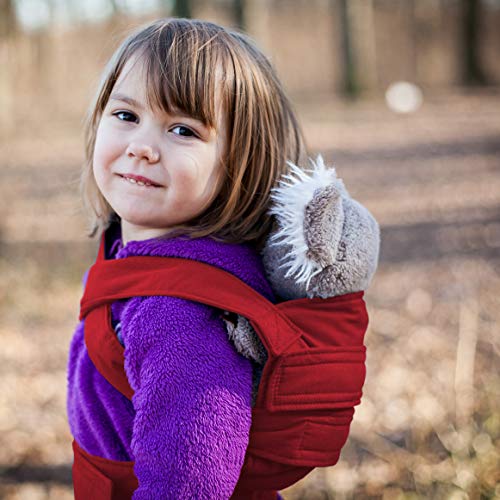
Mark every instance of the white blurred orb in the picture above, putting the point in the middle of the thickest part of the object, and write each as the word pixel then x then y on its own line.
pixel 403 97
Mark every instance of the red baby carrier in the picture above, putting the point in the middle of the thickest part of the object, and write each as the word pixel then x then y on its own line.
pixel 310 384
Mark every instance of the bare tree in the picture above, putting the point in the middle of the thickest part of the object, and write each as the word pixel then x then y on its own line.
pixel 239 14
pixel 183 8
pixel 412 34
pixel 8 22
pixel 364 43
pixel 349 84
pixel 8 28
pixel 473 73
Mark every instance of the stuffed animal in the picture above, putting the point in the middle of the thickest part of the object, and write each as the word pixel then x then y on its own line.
pixel 323 244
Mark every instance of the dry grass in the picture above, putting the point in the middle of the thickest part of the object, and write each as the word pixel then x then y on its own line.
pixel 429 424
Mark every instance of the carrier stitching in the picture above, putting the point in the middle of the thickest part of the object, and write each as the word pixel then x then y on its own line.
pixel 349 297
pixel 323 362
pixel 311 454
pixel 315 404
pixel 301 443
pixel 295 398
pixel 358 350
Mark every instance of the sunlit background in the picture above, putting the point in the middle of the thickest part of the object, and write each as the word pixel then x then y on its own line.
pixel 403 97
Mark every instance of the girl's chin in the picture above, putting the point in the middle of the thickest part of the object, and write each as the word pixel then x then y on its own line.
pixel 135 215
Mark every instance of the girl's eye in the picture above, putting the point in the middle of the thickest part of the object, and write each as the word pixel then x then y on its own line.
pixel 183 131
pixel 126 116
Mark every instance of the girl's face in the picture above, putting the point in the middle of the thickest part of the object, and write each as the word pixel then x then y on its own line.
pixel 155 170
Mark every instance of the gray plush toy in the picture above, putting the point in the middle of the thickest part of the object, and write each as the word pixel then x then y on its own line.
pixel 323 244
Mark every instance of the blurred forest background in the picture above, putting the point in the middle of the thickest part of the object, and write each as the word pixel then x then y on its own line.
pixel 422 154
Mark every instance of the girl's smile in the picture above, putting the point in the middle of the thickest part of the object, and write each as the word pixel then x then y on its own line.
pixel 155 170
pixel 139 180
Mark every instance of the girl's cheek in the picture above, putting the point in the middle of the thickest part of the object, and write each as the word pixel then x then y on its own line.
pixel 98 147
pixel 106 147
pixel 185 180
pixel 97 161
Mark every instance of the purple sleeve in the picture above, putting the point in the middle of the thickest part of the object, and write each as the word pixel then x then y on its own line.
pixel 192 400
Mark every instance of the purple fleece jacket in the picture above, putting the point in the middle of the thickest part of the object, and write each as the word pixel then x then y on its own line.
pixel 188 423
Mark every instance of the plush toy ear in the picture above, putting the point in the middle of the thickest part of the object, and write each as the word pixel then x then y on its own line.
pixel 307 206
pixel 357 255
pixel 324 243
pixel 323 224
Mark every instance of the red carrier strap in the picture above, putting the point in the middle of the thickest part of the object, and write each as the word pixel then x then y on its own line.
pixel 96 478
pixel 192 280
pixel 311 381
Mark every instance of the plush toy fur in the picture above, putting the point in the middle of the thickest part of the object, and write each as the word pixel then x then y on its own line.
pixel 323 244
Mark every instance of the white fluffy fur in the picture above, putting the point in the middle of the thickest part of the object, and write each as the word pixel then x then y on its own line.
pixel 290 198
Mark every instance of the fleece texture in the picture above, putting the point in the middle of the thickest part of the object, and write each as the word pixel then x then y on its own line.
pixel 187 426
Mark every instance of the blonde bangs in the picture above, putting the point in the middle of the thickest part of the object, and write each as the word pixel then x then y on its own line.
pixel 180 70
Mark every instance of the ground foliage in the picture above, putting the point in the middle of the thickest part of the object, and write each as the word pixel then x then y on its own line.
pixel 429 423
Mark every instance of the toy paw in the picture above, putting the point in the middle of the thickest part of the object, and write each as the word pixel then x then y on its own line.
pixel 244 338
pixel 247 343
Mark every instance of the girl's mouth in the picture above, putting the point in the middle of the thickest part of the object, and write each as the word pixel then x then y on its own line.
pixel 139 181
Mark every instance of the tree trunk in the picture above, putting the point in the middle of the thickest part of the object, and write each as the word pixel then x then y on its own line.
pixel 349 84
pixel 364 46
pixel 239 14
pixel 8 22
pixel 183 8
pixel 9 64
pixel 473 73
pixel 413 35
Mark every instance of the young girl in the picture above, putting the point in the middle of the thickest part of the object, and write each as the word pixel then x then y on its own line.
pixel 189 133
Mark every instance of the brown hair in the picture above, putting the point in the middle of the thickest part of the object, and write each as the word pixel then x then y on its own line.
pixel 188 63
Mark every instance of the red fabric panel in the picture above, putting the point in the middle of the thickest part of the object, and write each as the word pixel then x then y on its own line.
pixel 304 439
pixel 318 379
pixel 105 350
pixel 96 478
pixel 314 318
pixel 267 474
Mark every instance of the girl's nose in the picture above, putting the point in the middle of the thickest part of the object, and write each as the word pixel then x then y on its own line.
pixel 141 151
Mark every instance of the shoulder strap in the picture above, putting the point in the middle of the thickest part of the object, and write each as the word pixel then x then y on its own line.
pixel 109 280
pixel 278 326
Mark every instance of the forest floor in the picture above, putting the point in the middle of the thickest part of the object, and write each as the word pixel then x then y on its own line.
pixel 429 422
